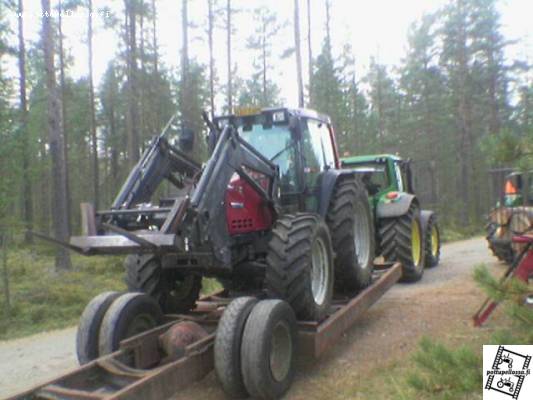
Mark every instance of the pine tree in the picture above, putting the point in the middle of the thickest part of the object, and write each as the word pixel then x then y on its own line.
pixel 55 132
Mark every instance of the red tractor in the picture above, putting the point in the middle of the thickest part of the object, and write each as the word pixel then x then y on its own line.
pixel 271 215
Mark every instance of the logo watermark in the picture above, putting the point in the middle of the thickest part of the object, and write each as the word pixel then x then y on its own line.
pixel 507 373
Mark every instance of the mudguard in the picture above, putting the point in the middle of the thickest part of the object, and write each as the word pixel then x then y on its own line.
pixel 425 215
pixel 328 180
pixel 397 207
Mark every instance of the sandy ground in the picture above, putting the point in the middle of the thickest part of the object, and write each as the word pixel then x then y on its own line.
pixel 439 306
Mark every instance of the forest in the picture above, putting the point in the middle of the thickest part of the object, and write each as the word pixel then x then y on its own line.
pixel 455 103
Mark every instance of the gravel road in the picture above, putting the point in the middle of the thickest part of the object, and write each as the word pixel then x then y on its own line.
pixel 439 305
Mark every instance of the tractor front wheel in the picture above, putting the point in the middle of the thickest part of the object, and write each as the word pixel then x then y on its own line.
pixel 402 240
pixel 175 293
pixel 300 265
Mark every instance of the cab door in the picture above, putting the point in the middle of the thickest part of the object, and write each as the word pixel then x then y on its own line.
pixel 318 155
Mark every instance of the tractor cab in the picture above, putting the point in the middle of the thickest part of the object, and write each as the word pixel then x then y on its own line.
pixel 383 175
pixel 299 142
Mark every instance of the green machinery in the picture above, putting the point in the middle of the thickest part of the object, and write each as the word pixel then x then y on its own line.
pixel 404 232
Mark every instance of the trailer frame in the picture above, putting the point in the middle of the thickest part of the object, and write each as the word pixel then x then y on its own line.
pixel 139 370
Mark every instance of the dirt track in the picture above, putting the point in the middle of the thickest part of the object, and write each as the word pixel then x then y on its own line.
pixel 440 305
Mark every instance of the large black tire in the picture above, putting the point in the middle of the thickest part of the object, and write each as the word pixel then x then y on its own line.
pixel 175 293
pixel 268 349
pixel 431 238
pixel 89 326
pixel 290 265
pixel 228 346
pixel 352 233
pixel 129 315
pixel 397 236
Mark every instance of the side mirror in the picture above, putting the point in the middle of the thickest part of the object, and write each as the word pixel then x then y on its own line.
pixel 186 140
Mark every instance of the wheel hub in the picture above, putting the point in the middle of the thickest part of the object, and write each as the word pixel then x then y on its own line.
pixel 281 351
pixel 361 239
pixel 434 241
pixel 319 271
pixel 416 243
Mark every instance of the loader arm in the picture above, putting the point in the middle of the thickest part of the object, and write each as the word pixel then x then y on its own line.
pixel 196 223
pixel 207 214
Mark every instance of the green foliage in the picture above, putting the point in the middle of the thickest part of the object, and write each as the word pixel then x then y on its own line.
pixel 511 294
pixel 443 373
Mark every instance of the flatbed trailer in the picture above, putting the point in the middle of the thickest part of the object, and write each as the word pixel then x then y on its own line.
pixel 139 369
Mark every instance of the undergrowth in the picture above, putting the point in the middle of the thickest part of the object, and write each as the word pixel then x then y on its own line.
pixel 43 299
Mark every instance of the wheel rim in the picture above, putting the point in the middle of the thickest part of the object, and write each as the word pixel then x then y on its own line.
pixel 434 241
pixel 281 351
pixel 141 323
pixel 415 242
pixel 360 237
pixel 319 271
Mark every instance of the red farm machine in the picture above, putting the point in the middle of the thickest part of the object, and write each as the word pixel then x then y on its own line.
pixel 271 215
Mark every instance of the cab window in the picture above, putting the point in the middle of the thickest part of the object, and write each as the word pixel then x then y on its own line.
pixel 317 150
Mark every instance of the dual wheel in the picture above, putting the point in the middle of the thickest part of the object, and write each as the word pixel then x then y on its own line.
pixel 412 239
pixel 254 348
pixel 112 317
pixel 308 256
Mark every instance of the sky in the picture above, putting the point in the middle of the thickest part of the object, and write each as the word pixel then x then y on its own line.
pixel 373 28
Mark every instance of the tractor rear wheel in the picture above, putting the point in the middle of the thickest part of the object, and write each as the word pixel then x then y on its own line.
pixel 175 293
pixel 401 240
pixel 300 265
pixel 352 232
pixel 431 238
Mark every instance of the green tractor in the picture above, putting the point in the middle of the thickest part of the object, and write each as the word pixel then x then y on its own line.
pixel 404 232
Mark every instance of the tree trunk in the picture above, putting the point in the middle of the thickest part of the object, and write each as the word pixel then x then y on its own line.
pixel 264 58
pixel 55 134
pixel 184 92
pixel 5 271
pixel 26 179
pixel 64 112
pixel 210 27
pixel 228 27
pixel 94 142
pixel 309 51
pixel 132 124
pixel 154 37
pixel 328 24
pixel 298 54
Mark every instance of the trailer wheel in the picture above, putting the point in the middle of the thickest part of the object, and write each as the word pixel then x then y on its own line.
pixel 174 292
pixel 129 315
pixel 431 238
pixel 300 265
pixel 89 326
pixel 268 349
pixel 402 240
pixel 352 234
pixel 228 346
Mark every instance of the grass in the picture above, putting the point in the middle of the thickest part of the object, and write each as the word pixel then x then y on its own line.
pixel 42 299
